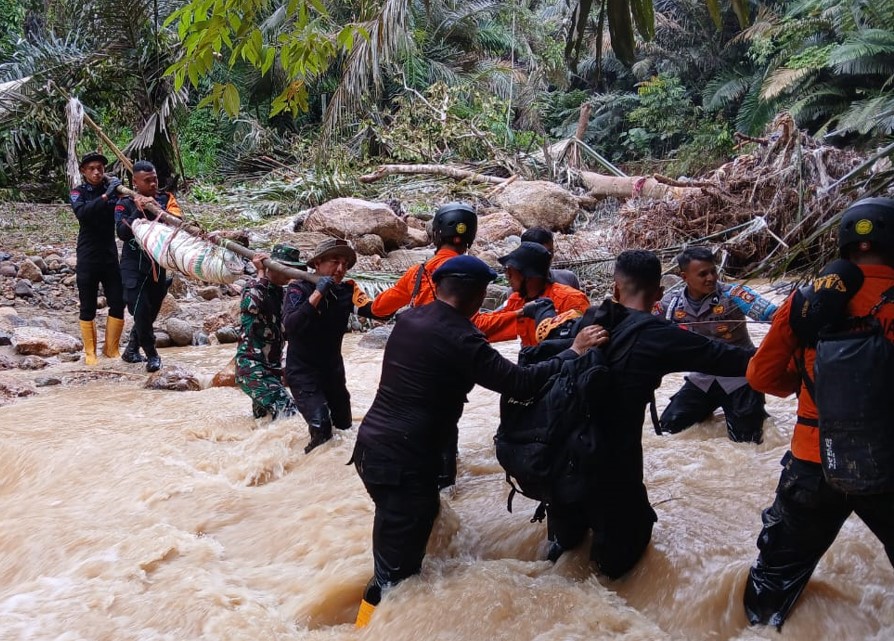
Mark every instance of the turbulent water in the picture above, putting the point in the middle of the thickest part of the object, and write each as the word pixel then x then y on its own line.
pixel 127 514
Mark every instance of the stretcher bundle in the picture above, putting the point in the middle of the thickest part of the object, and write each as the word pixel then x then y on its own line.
pixel 175 249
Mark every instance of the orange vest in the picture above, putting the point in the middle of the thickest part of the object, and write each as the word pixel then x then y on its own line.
pixel 506 324
pixel 773 370
pixel 401 293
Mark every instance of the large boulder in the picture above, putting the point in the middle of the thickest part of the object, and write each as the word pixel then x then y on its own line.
pixel 497 226
pixel 369 245
pixel 39 341
pixel 305 241
pixel 539 203
pixel 415 238
pixel 352 218
pixel 28 269
pixel 401 260
pixel 376 337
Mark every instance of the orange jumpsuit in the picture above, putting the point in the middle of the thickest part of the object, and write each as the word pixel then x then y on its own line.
pixel 401 293
pixel 506 324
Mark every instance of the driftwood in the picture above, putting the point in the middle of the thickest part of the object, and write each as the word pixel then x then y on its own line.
pixel 436 170
pixel 226 243
pixel 601 186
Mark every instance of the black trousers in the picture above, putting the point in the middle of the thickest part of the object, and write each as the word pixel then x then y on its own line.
pixel 743 409
pixel 144 295
pixel 799 527
pixel 89 276
pixel 322 397
pixel 621 519
pixel 407 504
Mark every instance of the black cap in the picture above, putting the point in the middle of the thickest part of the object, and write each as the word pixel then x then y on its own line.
pixel 465 267
pixel 531 259
pixel 91 156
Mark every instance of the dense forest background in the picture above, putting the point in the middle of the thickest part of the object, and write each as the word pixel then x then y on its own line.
pixel 294 98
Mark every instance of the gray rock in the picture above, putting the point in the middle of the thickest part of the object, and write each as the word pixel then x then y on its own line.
pixel 369 245
pixel 208 293
pixel 33 362
pixel 5 337
pixel 180 331
pixel 179 286
pixel 71 357
pixel 163 340
pixel 174 378
pixel 227 335
pixel 7 363
pixel 46 381
pixel 376 337
pixel 23 289
pixel 5 255
pixel 539 202
pixel 39 262
pixel 496 295
pixel 8 270
pixel 38 341
pixel 200 338
pixel 352 218
pixel 30 271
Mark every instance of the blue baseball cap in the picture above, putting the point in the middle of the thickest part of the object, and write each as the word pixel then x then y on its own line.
pixel 465 267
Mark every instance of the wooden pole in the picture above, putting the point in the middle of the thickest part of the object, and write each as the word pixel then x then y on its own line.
pixel 236 248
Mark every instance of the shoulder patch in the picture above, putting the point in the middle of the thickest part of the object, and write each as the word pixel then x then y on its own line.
pixel 74 194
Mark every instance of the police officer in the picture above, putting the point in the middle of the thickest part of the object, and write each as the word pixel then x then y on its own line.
pixel 716 310
pixel 316 319
pixel 617 505
pixel 93 202
pixel 261 337
pixel 534 296
pixel 453 230
pixel 432 359
pixel 145 282
pixel 808 511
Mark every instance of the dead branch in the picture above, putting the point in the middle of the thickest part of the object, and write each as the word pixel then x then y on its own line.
pixel 435 170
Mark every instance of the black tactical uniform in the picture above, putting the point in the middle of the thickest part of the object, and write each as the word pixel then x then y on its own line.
pixel 96 251
pixel 145 282
pixel 617 508
pixel 432 360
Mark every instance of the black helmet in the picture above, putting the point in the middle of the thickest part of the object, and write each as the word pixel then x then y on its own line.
pixel 454 219
pixel 868 219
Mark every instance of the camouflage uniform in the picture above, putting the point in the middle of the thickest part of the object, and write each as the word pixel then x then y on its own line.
pixel 259 354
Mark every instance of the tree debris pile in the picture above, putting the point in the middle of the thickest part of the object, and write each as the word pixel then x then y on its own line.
pixel 767 210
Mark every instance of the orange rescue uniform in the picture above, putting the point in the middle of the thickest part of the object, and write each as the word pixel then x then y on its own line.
pixel 506 324
pixel 773 370
pixel 401 294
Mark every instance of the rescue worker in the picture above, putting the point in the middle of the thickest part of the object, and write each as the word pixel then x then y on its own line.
pixel 261 336
pixel 316 319
pixel 717 310
pixel 94 202
pixel 432 360
pixel 617 506
pixel 543 236
pixel 808 512
pixel 453 230
pixel 534 297
pixel 145 282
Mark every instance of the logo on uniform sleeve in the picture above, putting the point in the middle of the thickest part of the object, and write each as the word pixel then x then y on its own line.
pixel 718 309
pixel 680 314
pixel 721 329
pixel 461 228
pixel 74 194
pixel 829 281
pixel 119 213
pixel 863 227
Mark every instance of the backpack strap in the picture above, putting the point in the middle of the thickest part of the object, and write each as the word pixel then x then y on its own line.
pixel 418 284
pixel 539 513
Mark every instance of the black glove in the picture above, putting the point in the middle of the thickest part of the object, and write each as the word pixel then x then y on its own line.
pixel 822 305
pixel 539 309
pixel 112 189
pixel 324 284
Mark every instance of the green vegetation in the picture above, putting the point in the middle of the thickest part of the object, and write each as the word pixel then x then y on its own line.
pixel 296 98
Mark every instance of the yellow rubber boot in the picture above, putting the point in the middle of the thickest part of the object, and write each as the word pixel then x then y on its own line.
pixel 114 327
pixel 364 614
pixel 88 333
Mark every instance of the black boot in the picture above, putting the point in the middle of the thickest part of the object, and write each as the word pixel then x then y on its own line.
pixel 131 353
pixel 153 362
pixel 319 434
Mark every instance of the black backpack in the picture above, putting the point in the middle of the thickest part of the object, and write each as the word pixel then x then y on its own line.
pixel 547 443
pixel 853 388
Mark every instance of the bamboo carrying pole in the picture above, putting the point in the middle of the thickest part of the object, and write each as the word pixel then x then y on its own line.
pixel 234 247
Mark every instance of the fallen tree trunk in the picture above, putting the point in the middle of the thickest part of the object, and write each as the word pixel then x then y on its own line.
pixel 234 247
pixel 601 186
pixel 436 170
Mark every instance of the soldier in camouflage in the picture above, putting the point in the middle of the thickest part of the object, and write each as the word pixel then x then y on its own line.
pixel 261 337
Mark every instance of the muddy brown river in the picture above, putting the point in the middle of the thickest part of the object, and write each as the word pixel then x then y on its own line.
pixel 135 515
